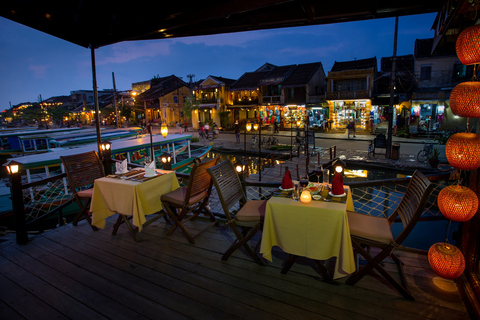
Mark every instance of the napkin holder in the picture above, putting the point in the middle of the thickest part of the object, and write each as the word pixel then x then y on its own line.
pixel 150 170
pixel 121 167
pixel 337 185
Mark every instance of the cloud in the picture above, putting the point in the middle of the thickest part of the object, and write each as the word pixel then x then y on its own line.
pixel 39 71
pixel 127 51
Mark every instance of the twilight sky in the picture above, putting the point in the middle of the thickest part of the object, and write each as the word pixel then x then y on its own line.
pixel 34 63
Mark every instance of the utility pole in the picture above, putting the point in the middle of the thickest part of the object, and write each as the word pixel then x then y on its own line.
pixel 392 94
pixel 115 100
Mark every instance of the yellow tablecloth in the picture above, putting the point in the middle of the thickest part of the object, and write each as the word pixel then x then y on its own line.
pixel 317 230
pixel 133 198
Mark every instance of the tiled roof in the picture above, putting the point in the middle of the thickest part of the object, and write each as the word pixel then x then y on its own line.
pixel 355 64
pixel 301 75
pixel 277 75
pixel 249 81
pixel 161 87
pixel 227 81
pixel 423 49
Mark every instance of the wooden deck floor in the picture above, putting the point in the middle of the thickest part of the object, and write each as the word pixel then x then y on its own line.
pixel 76 273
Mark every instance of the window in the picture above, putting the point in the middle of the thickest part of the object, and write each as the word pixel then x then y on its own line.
pixel 426 73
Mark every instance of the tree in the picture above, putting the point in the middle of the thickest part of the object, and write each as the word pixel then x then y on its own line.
pixel 191 104
pixel 224 119
pixel 58 113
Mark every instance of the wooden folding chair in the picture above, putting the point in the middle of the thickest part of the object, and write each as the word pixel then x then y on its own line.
pixel 191 199
pixel 82 169
pixel 370 231
pixel 247 220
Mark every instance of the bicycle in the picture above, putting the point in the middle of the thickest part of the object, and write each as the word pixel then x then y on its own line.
pixel 299 143
pixel 272 141
pixel 254 142
pixel 425 153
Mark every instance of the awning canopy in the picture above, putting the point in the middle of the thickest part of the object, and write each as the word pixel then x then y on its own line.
pixel 100 23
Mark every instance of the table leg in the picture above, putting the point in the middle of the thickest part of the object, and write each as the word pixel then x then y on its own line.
pixel 321 267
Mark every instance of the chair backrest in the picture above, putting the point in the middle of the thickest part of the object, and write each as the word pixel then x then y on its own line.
pixel 228 186
pixel 82 169
pixel 200 181
pixel 380 141
pixel 412 204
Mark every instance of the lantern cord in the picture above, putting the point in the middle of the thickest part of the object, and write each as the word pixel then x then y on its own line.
pixel 468 129
pixel 475 70
pixel 447 230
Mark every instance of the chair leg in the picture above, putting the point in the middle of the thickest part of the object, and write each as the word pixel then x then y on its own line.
pixel 178 223
pixel 375 263
pixel 242 240
pixel 84 213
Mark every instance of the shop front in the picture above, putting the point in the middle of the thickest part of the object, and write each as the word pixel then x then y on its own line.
pixel 427 116
pixel 291 115
pixel 344 112
pixel 317 116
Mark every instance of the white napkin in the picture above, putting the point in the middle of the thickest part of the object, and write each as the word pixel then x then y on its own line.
pixel 150 169
pixel 121 167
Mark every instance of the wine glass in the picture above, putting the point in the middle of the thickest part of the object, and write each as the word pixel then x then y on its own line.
pixel 304 181
pixel 318 172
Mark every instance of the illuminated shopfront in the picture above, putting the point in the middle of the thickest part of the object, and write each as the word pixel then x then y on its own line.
pixel 345 111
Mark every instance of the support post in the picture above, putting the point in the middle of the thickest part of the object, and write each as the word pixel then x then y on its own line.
pixel 95 97
pixel 16 192
pixel 392 94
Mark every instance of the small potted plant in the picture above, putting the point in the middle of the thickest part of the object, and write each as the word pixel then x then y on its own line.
pixel 433 159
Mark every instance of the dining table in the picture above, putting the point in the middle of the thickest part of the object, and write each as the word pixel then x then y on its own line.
pixel 317 230
pixel 131 194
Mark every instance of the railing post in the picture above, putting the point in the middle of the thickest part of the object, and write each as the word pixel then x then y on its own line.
pixel 16 192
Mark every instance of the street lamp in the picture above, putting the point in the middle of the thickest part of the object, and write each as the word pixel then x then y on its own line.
pixel 248 127
pixel 164 129
pixel 241 167
pixel 258 127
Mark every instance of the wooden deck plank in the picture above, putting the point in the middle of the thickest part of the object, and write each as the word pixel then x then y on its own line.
pixel 214 289
pixel 91 288
pixel 21 291
pixel 213 234
pixel 139 291
pixel 167 274
pixel 8 313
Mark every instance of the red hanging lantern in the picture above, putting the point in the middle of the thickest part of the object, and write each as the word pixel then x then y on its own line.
pixel 465 99
pixel 468 45
pixel 446 260
pixel 457 203
pixel 463 151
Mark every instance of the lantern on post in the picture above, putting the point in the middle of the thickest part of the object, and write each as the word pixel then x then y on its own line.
pixel 463 151
pixel 106 147
pixel 166 160
pixel 457 203
pixel 164 129
pixel 16 192
pixel 446 260
pixel 468 45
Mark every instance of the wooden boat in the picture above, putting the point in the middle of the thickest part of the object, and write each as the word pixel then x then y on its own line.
pixel 185 166
pixel 29 140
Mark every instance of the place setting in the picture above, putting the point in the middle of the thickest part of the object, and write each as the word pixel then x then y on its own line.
pixel 138 174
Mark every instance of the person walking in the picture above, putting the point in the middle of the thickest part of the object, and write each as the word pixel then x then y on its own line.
pixel 237 131
pixel 275 127
pixel 349 128
pixel 206 127
pixel 353 127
